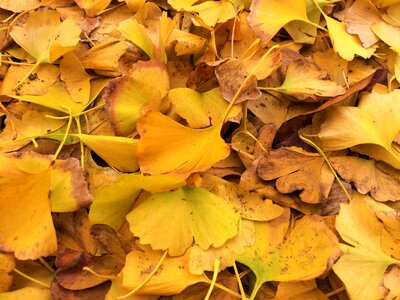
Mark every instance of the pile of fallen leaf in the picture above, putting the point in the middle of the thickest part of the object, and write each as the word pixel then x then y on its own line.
pixel 189 149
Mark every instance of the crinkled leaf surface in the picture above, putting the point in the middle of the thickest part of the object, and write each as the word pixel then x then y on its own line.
pixel 186 215
pixel 369 176
pixel 295 170
pixel 166 146
pixel 363 264
pixel 306 78
pixel 303 255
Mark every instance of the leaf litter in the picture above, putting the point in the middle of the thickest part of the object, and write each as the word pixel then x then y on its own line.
pixel 199 149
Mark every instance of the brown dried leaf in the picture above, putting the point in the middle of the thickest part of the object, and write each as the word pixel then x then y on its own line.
pixel 230 76
pixel 296 170
pixel 369 176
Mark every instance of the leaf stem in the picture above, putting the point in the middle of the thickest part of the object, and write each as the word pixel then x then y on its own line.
pixel 66 133
pixel 214 279
pixel 110 277
pixel 312 144
pixel 31 278
pixel 239 281
pixel 147 278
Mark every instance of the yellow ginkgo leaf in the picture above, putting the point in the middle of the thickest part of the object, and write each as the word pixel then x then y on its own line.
pixel 77 81
pixel 200 109
pixel 17 6
pixel 58 98
pixel 135 32
pixel 345 44
pixel 7 265
pixel 166 146
pixel 32 124
pixel 306 33
pixel 114 201
pixel 32 293
pixel 364 263
pixel 37 84
pixel 213 12
pixel 166 28
pixel 118 152
pixel 267 17
pixel 385 3
pixel 25 184
pixel 45 37
pixel 172 276
pixel 125 97
pixel 68 188
pixel 186 215
pixel 117 290
pixel 182 4
pixel 387 33
pixel 369 128
pixel 93 8
pixel 304 80
pixel 104 56
pixel 187 43
pixel 303 255
pixel 203 260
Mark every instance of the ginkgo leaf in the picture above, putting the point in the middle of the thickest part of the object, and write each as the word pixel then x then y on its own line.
pixel 305 80
pixel 299 290
pixel 267 17
pixel 345 44
pixel 172 276
pixel 166 28
pixel 104 56
pixel 68 188
pixel 7 265
pixel 251 204
pixel 186 215
pixel 369 128
pixel 363 264
pixel 93 8
pixel 58 98
pixel 182 4
pixel 359 18
pixel 33 293
pixel 33 124
pixel 119 152
pixel 387 34
pixel 213 12
pixel 297 169
pixel 16 6
pixel 37 84
pixel 186 42
pixel 385 3
pixel 137 34
pixel 77 81
pixel 306 33
pixel 114 201
pixel 303 255
pixel 201 260
pixel 125 97
pixel 28 181
pixel 117 290
pixel 230 76
pixel 369 176
pixel 166 146
pixel 46 38
pixel 199 109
